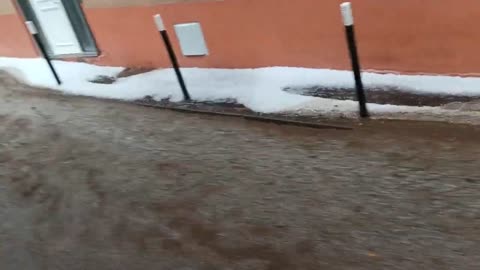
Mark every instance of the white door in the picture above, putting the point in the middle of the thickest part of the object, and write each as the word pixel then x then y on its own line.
pixel 56 26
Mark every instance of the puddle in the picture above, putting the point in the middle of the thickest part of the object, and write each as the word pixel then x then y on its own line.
pixel 383 95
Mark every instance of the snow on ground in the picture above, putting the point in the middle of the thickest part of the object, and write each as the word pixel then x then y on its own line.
pixel 258 89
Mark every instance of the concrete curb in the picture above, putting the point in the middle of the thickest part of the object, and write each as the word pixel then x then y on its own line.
pixel 248 117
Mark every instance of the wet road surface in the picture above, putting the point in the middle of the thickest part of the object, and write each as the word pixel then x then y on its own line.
pixel 90 184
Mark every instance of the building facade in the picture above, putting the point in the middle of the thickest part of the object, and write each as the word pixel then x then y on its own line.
pixel 407 36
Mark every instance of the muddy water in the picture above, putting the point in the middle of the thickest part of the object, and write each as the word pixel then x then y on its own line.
pixel 385 95
pixel 89 184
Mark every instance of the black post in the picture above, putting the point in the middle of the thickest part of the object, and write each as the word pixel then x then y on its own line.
pixel 171 54
pixel 33 30
pixel 352 47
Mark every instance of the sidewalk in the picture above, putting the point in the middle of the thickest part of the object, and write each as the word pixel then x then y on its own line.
pixel 263 90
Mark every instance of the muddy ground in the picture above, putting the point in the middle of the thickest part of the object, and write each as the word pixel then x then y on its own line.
pixel 91 184
pixel 384 95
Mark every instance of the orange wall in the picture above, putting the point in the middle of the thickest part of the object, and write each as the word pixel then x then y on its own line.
pixel 14 40
pixel 409 36
pixel 239 33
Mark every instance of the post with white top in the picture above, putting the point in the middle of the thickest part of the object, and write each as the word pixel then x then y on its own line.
pixel 346 9
pixel 171 53
pixel 34 32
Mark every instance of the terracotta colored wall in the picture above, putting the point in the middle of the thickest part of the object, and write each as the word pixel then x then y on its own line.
pixel 127 3
pixel 15 41
pixel 239 33
pixel 414 36
pixel 411 36
pixel 6 7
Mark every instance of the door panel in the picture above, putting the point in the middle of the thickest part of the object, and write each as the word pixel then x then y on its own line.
pixel 56 26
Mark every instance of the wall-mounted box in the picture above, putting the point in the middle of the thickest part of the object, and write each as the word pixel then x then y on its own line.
pixel 191 39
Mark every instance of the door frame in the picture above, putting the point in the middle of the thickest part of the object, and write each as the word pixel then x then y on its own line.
pixel 79 23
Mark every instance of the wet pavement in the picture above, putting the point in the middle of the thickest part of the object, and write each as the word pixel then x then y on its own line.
pixel 91 184
pixel 385 95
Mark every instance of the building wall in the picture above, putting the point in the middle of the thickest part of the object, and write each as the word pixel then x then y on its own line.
pixel 6 7
pixel 14 41
pixel 129 3
pixel 409 36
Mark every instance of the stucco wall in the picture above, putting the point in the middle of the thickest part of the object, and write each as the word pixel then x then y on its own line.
pixel 126 3
pixel 6 7
pixel 406 36
pixel 410 36
pixel 14 41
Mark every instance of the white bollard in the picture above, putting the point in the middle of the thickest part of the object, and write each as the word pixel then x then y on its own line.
pixel 346 9
pixel 347 15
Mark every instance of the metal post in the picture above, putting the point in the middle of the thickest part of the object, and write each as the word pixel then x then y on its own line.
pixel 346 9
pixel 171 54
pixel 33 30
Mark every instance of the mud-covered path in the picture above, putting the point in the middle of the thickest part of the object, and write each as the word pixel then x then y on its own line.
pixel 91 184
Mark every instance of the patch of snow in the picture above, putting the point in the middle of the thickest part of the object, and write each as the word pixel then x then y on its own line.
pixel 36 72
pixel 258 89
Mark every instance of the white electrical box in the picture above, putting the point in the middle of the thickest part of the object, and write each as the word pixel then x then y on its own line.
pixel 190 36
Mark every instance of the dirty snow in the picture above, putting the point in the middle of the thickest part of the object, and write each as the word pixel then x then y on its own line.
pixel 258 89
